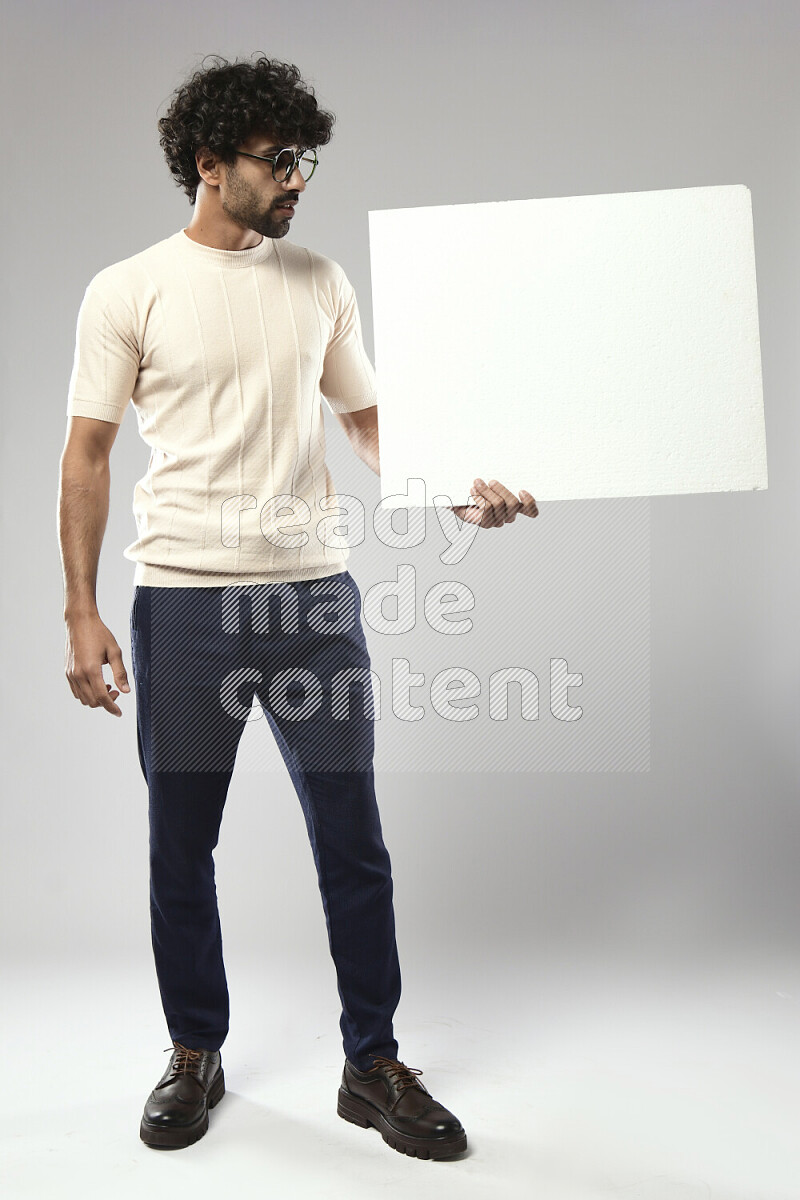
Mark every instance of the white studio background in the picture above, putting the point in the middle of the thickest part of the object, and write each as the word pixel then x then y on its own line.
pixel 688 869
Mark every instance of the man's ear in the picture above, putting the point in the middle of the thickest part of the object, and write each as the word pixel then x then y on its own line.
pixel 207 165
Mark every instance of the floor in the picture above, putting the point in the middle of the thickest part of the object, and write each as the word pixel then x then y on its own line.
pixel 573 1079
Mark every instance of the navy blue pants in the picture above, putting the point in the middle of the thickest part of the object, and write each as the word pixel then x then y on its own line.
pixel 200 656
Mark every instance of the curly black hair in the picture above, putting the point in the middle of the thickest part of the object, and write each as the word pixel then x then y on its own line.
pixel 220 106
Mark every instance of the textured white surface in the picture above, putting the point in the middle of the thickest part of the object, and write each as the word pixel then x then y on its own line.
pixel 578 347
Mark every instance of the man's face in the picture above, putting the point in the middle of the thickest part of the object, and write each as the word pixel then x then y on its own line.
pixel 251 197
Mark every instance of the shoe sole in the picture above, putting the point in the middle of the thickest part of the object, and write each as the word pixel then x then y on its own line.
pixel 361 1112
pixel 176 1138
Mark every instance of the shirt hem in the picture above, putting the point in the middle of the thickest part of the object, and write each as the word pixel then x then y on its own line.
pixel 155 575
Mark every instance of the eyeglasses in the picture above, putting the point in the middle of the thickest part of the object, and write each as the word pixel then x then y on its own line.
pixel 286 162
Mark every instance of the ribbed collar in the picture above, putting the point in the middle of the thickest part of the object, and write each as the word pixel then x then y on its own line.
pixel 222 258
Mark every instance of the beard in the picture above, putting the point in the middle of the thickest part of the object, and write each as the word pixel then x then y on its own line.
pixel 250 210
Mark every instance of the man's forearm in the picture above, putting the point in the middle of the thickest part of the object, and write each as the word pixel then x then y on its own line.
pixel 366 447
pixel 83 503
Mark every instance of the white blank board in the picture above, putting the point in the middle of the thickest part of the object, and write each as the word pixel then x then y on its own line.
pixel 577 347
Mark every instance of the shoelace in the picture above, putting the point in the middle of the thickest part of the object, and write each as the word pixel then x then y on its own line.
pixel 398 1072
pixel 185 1060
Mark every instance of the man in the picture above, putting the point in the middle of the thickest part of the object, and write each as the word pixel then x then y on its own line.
pixel 225 338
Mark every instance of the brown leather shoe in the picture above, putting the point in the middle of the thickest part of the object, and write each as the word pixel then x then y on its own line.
pixel 176 1112
pixel 390 1097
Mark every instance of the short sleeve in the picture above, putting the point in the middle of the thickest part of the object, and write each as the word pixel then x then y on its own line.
pixel 107 357
pixel 348 377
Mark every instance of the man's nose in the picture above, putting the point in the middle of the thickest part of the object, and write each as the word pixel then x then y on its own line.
pixel 295 181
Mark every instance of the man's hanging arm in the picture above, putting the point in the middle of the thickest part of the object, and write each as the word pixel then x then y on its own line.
pixel 361 428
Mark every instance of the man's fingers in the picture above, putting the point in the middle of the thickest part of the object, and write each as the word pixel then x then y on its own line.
pixel 90 645
pixel 512 503
pixel 486 514
pixel 528 504
pixel 91 689
pixel 494 513
pixel 118 670
pixel 99 690
pixel 495 505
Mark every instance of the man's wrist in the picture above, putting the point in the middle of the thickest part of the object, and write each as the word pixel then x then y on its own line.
pixel 78 610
